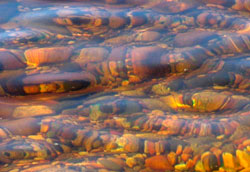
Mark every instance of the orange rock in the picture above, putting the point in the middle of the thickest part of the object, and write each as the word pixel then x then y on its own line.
pixel 246 142
pixel 129 142
pixel 185 157
pixel 35 110
pixel 209 161
pixel 190 164
pixel 95 54
pixel 179 149
pixel 48 55
pixel 188 150
pixel 158 162
pixel 173 126
pixel 228 160
pixel 244 158
pixel 172 158
pixel 151 147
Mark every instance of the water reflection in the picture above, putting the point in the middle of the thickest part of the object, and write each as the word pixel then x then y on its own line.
pixel 121 85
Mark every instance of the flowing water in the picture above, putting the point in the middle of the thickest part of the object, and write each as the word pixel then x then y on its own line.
pixel 124 85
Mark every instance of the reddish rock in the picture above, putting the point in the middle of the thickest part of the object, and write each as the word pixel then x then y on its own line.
pixel 158 162
pixel 209 161
pixel 192 38
pixel 23 127
pixel 48 55
pixel 10 60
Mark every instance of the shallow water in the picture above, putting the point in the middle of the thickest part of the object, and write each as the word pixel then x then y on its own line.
pixel 124 85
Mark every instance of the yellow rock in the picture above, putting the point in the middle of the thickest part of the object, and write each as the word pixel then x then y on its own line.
pixel 244 158
pixel 36 137
pixel 245 170
pixel 199 167
pixel 180 167
pixel 228 160
pixel 28 111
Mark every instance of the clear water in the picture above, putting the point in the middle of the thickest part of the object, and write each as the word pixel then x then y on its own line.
pixel 124 85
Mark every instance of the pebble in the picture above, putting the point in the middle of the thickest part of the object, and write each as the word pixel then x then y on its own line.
pixel 244 158
pixel 209 161
pixel 228 160
pixel 30 111
pixel 181 167
pixel 48 55
pixel 192 38
pixel 95 54
pixel 158 162
pixel 110 164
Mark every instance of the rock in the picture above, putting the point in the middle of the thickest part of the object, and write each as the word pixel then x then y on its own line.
pixel 95 54
pixel 23 127
pixel 129 142
pixel 10 60
pixel 209 161
pixel 29 111
pixel 172 158
pixel 48 55
pixel 158 162
pixel 146 62
pixel 138 159
pixel 181 167
pixel 185 157
pixel 193 38
pixel 228 160
pixel 244 158
pixel 199 167
pixel 148 36
pixel 117 22
pixel 110 164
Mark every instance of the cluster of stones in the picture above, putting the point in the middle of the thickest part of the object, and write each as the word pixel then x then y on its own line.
pixel 125 85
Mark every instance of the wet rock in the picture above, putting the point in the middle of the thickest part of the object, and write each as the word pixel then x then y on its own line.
pixel 199 167
pixel 148 36
pixel 95 54
pixel 193 38
pixel 209 161
pixel 111 163
pixel 129 143
pixel 228 160
pixel 181 167
pixel 172 158
pixel 41 56
pixel 244 158
pixel 10 60
pixel 146 62
pixel 29 111
pixel 138 159
pixel 23 127
pixel 117 22
pixel 158 162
